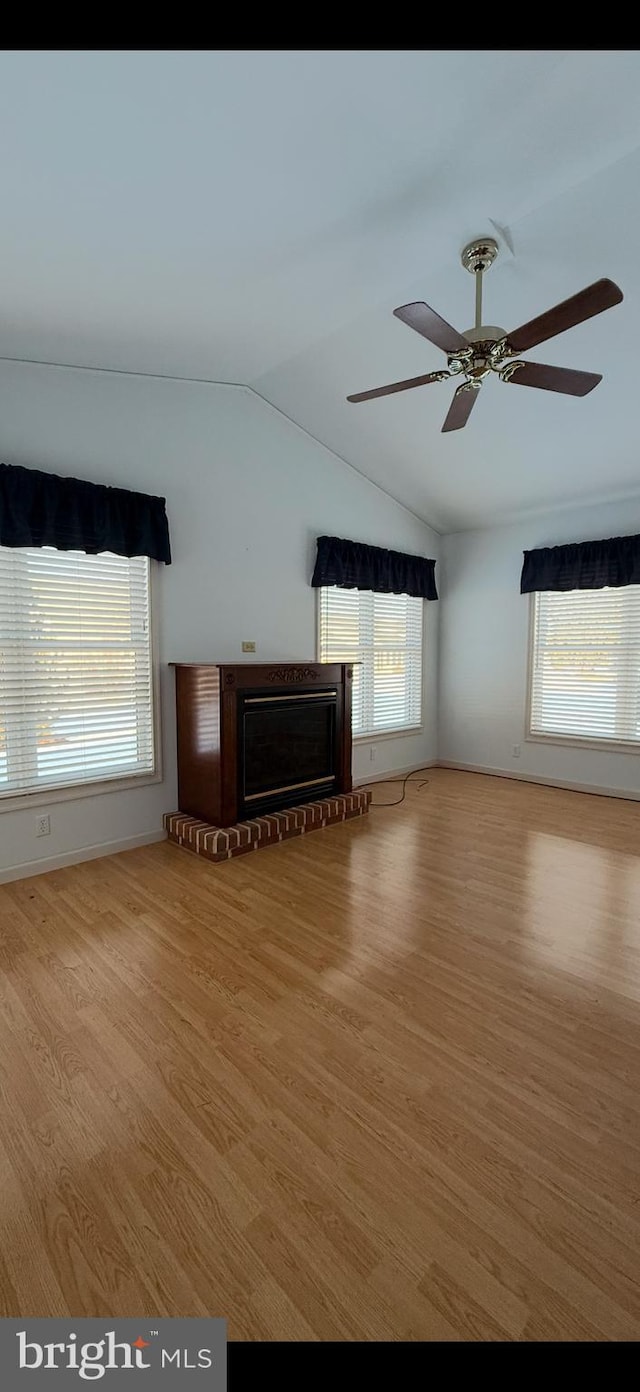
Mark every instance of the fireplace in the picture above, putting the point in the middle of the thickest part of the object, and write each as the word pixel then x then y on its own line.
pixel 286 749
pixel 253 739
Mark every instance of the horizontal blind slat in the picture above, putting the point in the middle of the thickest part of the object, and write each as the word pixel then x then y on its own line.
pixel 383 635
pixel 76 697
pixel 585 671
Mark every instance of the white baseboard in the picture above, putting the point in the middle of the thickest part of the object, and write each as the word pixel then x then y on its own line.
pixel 106 848
pixel 596 788
pixel 394 773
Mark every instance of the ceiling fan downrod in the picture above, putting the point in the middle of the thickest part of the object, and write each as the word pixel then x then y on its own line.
pixel 477 258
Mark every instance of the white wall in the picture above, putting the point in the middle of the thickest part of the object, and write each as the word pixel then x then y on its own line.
pixel 484 638
pixel 247 494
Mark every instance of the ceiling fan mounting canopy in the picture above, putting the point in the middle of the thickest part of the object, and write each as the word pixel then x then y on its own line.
pixel 485 348
pixel 479 255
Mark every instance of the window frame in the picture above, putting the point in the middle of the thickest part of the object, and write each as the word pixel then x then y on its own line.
pixel 70 792
pixel 374 736
pixel 570 741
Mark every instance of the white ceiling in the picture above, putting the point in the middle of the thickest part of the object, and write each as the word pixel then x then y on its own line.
pixel 255 216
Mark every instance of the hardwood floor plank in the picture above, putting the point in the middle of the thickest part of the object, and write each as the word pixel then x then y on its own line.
pixel 417 1318
pixel 378 1083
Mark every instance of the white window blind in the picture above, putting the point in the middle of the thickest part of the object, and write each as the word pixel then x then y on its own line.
pixel 585 668
pixel 382 633
pixel 76 702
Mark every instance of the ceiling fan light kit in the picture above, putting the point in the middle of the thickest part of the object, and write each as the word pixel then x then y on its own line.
pixel 486 348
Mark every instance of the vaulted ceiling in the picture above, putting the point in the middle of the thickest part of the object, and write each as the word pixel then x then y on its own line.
pixel 255 217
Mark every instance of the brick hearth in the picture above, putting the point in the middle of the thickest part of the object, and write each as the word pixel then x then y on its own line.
pixel 222 843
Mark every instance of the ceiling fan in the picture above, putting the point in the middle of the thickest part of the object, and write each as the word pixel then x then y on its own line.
pixel 485 348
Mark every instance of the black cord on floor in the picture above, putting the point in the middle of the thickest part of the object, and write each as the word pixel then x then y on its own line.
pixel 407 779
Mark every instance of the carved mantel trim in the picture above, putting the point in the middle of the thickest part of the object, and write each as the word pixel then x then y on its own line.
pixel 284 675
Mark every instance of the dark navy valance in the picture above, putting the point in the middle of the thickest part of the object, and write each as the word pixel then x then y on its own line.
pixel 583 565
pixel 38 509
pixel 355 566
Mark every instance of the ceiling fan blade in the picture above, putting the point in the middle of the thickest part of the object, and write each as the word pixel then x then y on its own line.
pixel 425 321
pixel 464 400
pixel 557 379
pixel 400 386
pixel 603 294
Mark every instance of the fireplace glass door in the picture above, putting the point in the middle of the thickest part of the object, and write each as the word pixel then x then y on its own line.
pixel 287 745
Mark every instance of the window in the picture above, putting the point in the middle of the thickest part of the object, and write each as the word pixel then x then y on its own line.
pixel 585 665
pixel 75 669
pixel 383 633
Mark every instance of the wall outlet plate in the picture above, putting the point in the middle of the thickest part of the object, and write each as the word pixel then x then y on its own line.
pixel 248 647
pixel 516 751
pixel 43 825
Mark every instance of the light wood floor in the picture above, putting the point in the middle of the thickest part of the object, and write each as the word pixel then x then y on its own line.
pixel 382 1082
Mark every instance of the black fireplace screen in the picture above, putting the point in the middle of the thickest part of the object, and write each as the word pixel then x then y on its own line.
pixel 286 743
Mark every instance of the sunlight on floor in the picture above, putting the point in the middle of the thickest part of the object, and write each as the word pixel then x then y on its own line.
pixel 582 911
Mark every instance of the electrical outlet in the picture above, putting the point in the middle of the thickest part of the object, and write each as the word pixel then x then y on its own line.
pixel 516 751
pixel 43 825
pixel 248 647
pixel 372 753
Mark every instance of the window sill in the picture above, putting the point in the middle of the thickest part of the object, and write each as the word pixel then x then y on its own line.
pixel 375 735
pixel 581 742
pixel 40 797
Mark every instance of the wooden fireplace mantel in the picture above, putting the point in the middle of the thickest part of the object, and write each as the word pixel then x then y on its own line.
pixel 209 696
